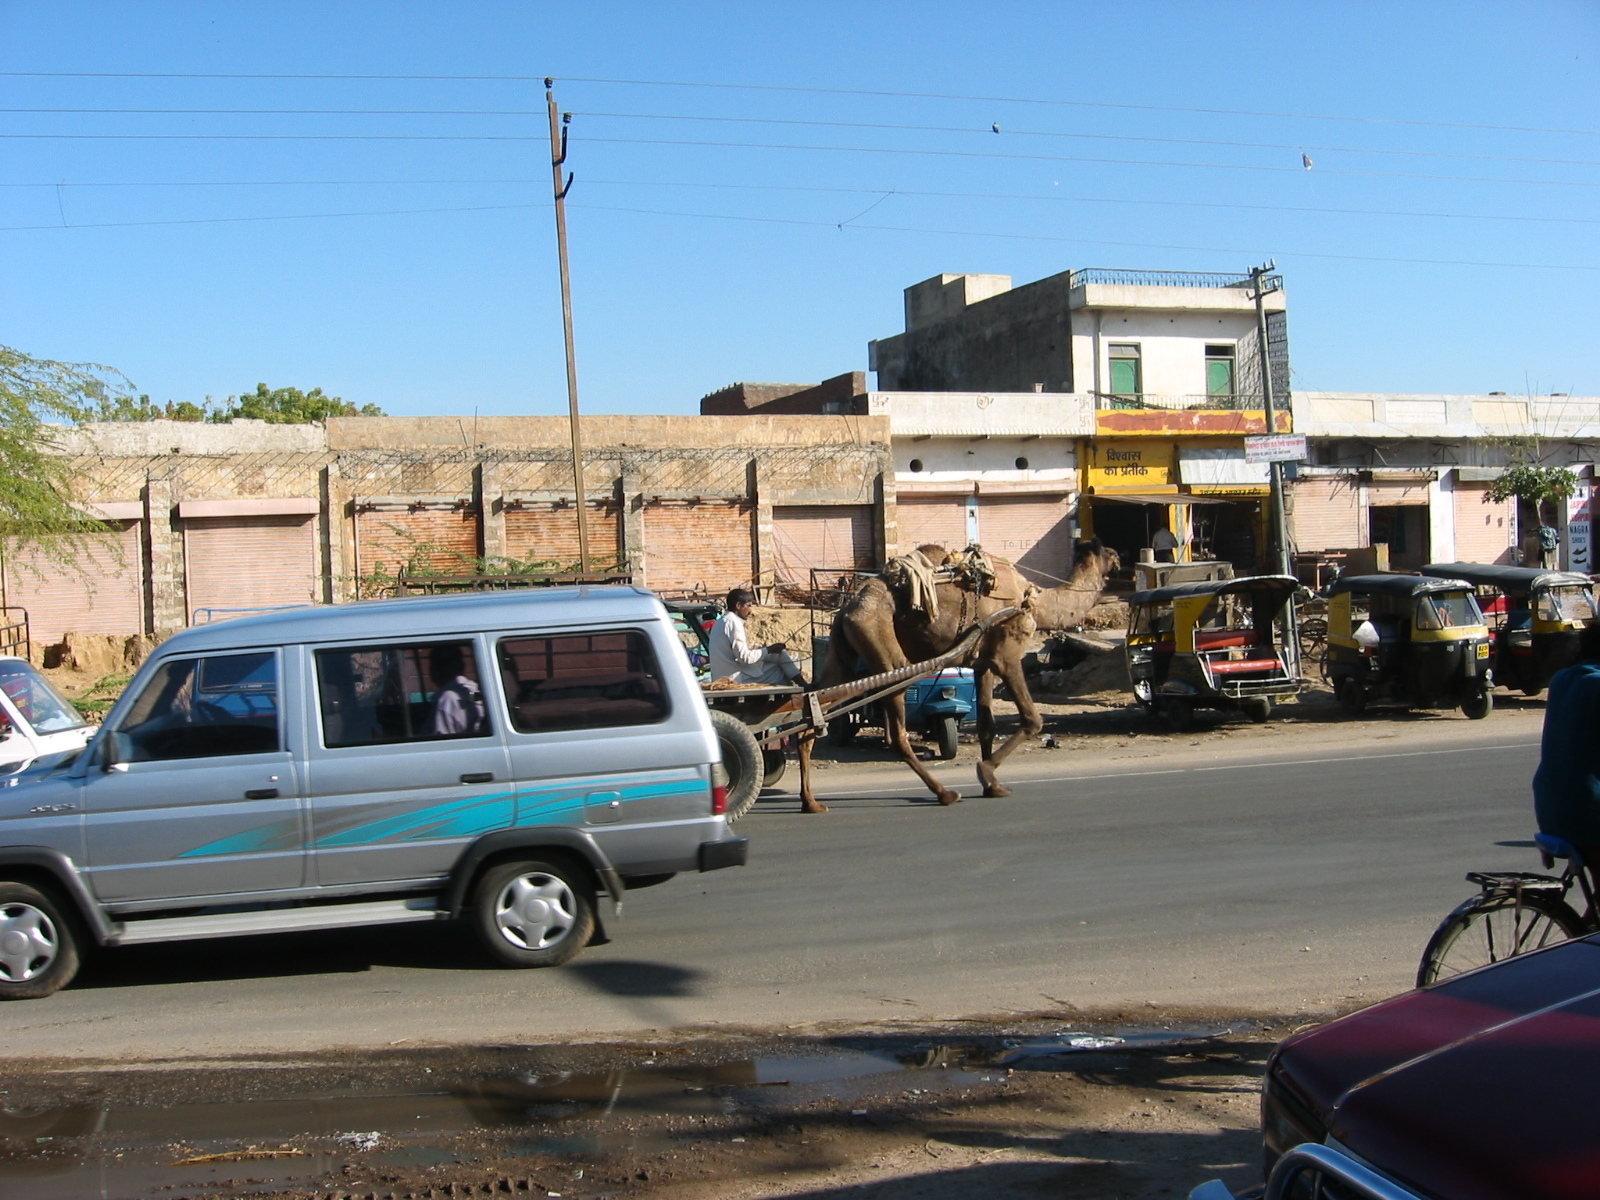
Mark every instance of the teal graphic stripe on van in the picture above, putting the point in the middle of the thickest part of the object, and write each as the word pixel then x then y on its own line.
pixel 279 836
pixel 457 818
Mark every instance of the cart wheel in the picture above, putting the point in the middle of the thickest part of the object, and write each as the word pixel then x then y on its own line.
pixel 1479 706
pixel 741 759
pixel 1178 714
pixel 776 763
pixel 1352 698
pixel 1257 708
pixel 948 738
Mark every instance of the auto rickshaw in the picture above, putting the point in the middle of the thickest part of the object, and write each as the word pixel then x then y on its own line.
pixel 1534 617
pixel 1408 639
pixel 1215 643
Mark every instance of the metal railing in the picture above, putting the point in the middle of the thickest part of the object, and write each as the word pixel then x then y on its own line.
pixel 14 638
pixel 1118 276
pixel 1230 402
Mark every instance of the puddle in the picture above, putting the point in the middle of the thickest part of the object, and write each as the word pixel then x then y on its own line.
pixel 139 1151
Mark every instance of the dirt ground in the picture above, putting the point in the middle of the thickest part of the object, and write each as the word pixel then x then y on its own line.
pixel 930 1114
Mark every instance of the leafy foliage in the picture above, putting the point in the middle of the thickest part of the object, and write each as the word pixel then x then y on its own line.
pixel 426 560
pixel 123 407
pixel 37 396
pixel 289 406
pixel 1539 483
pixel 97 701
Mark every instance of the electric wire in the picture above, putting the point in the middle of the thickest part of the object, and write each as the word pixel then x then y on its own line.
pixel 795 88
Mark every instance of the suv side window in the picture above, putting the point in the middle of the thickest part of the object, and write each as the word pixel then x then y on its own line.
pixel 582 681
pixel 378 695
pixel 204 707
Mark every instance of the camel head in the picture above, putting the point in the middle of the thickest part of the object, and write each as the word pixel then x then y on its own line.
pixel 1093 550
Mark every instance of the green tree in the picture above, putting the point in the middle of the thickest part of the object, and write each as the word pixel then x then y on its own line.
pixel 290 406
pixel 123 407
pixel 37 496
pixel 1542 483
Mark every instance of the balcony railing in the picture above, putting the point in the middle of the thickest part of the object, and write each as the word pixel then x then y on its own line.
pixel 1145 402
pixel 1201 279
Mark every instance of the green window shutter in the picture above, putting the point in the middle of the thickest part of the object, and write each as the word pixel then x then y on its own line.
pixel 1124 376
pixel 1219 376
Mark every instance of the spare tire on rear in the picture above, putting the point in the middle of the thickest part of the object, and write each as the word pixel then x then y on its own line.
pixel 741 759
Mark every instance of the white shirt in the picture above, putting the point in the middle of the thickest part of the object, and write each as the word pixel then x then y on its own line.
pixel 731 651
pixel 1163 539
pixel 455 708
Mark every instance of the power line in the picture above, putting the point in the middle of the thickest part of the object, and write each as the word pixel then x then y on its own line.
pixel 1099 137
pixel 1136 162
pixel 282 112
pixel 268 137
pixel 843 191
pixel 1034 237
pixel 814 91
pixel 390 212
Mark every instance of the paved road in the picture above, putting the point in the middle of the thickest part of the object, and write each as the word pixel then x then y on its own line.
pixel 1280 875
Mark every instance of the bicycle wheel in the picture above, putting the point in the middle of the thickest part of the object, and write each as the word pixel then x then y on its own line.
pixel 1495 926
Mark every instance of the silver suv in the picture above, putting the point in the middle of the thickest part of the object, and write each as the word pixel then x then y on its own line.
pixel 517 759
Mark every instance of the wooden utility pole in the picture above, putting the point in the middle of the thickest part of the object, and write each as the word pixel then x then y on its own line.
pixel 558 156
pixel 1263 283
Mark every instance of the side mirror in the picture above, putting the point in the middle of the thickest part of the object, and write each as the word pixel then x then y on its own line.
pixel 108 756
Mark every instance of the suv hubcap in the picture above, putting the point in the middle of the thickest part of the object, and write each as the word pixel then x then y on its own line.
pixel 535 911
pixel 27 942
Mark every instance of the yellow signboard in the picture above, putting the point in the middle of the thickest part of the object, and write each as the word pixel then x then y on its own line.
pixel 1130 465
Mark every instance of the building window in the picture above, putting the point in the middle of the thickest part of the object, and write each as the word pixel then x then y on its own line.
pixel 1022 464
pixel 1126 380
pixel 916 464
pixel 1219 371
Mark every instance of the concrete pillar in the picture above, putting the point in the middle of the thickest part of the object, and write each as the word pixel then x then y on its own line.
pixel 630 516
pixel 764 560
pixel 1442 517
pixel 888 539
pixel 167 606
pixel 489 494
pixel 328 549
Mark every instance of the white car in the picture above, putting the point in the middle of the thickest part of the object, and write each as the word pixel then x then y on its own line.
pixel 35 719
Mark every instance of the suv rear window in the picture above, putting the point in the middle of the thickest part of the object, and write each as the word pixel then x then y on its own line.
pixel 582 681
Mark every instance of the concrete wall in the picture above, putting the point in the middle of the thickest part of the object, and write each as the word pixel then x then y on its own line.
pixel 944 459
pixel 1172 344
pixel 1405 415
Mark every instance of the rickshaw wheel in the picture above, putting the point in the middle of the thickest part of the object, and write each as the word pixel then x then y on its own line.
pixel 1479 706
pixel 1351 697
pixel 1178 714
pixel 948 737
pixel 1257 708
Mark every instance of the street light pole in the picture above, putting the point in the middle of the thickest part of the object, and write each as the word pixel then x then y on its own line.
pixel 558 156
pixel 1263 284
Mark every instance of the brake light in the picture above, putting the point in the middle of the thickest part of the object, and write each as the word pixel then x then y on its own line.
pixel 719 800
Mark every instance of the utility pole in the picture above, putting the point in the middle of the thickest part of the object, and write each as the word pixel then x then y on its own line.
pixel 558 156
pixel 1263 283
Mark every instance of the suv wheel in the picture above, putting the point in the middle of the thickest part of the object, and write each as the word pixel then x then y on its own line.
pixel 533 914
pixel 38 946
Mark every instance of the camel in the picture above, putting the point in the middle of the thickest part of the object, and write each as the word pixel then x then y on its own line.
pixel 878 626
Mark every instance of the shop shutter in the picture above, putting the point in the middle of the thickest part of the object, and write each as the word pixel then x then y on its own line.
pixel 540 533
pixel 1034 532
pixel 699 547
pixel 1485 533
pixel 442 540
pixel 249 562
pixel 822 535
pixel 105 597
pixel 1389 494
pixel 1327 515
pixel 941 520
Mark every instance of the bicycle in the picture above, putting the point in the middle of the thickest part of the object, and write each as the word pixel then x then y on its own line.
pixel 1515 912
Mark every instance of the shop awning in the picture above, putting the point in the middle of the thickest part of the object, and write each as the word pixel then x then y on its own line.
pixel 1157 498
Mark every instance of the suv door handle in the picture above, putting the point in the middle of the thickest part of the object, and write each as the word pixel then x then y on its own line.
pixel 261 794
pixel 478 777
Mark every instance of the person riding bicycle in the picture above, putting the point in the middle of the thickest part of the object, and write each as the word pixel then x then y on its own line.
pixel 1566 787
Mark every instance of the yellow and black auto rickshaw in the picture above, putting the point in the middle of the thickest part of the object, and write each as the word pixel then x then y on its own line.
pixel 1534 618
pixel 1216 643
pixel 1410 640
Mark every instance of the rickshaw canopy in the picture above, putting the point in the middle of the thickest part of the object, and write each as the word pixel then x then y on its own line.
pixel 1514 581
pixel 1401 586
pixel 1284 585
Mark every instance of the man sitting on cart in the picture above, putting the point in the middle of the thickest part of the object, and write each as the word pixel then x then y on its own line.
pixel 732 656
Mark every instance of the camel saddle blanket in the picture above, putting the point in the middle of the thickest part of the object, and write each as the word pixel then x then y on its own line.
pixel 969 569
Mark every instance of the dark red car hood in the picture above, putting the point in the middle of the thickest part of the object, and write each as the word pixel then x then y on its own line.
pixel 1483 1088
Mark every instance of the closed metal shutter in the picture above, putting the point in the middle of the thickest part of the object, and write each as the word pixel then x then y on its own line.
pixel 1035 533
pixel 1328 515
pixel 699 547
pixel 941 520
pixel 1381 494
pixel 106 597
pixel 540 533
pixel 249 562
pixel 821 535
pixel 1485 533
pixel 443 540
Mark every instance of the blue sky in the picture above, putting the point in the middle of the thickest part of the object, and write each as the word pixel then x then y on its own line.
pixel 1418 250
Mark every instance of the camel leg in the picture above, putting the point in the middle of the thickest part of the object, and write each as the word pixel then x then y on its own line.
pixel 985 679
pixel 894 719
pixel 808 799
pixel 1009 667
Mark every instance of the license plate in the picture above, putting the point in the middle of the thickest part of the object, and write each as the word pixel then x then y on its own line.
pixel 1483 650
